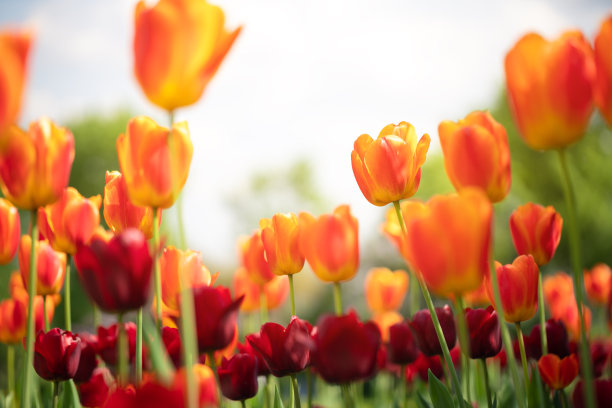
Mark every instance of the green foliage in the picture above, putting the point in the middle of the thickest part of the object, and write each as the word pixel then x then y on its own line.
pixel 440 395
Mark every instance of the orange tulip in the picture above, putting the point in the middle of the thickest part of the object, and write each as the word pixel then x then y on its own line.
pixel 275 290
pixel 476 154
pixel 558 373
pixel 50 266
pixel 207 386
pixel 71 219
pixel 393 230
pixel 253 259
pixel 536 230
pixel 10 230
pixel 389 168
pixel 518 288
pixel 330 244
pixel 35 165
pixel 279 236
pixel 558 291
pixel 178 47
pixel 14 53
pixel 154 161
pixel 478 297
pixel 550 87
pixel 597 283
pixel 385 290
pixel 568 313
pixel 449 241
pixel 603 61
pixel 384 320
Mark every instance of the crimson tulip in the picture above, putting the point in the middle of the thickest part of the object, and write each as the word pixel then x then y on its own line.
pixel 215 317
pixel 603 394
pixel 402 347
pixel 56 354
pixel 172 342
pixel 238 377
pixel 425 333
pixel 88 361
pixel 423 364
pixel 106 346
pixel 485 332
pixel 97 389
pixel 556 337
pixel 262 367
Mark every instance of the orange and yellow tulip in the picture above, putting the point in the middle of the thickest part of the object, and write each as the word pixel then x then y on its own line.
pixel 253 259
pixel 178 47
pixel 518 288
pixel 393 230
pixel 70 220
pixel 384 320
pixel 597 283
pixel 603 61
pixel 50 266
pixel 279 236
pixel 476 154
pixel 14 53
pixel 550 88
pixel 35 165
pixel 536 230
pixel 477 297
pixel 385 289
pixel 330 244
pixel 154 161
pixel 388 169
pixel 558 291
pixel 10 230
pixel 449 241
pixel 275 290
pixel 558 373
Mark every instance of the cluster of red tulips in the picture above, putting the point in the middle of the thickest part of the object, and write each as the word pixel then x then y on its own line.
pixel 184 350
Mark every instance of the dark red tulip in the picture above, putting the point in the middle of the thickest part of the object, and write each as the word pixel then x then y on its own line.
pixel 149 395
pixel 56 354
pixel 557 340
pixel 215 315
pixel 485 332
pixel 345 349
pixel 116 274
pixel 423 364
pixel 285 351
pixel 88 361
pixel 402 347
pixel 106 347
pixel 96 390
pixel 262 367
pixel 600 353
pixel 172 341
pixel 426 334
pixel 238 377
pixel 603 394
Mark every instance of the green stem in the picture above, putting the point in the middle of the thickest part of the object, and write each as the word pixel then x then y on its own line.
pixel 67 314
pixel 337 298
pixel 45 317
pixel 138 358
pixel 519 333
pixel 122 351
pixel 97 318
pixel 26 391
pixel 542 313
pixel 291 294
pixel 414 291
pixel 179 200
pixel 309 388
pixel 263 305
pixel 486 379
pixel 267 393
pixel 242 404
pixel 346 395
pixel 574 244
pixel 55 394
pixel 213 366
pixel 296 391
pixel 403 387
pixel 188 338
pixel 564 401
pixel 10 368
pixel 157 276
pixel 464 342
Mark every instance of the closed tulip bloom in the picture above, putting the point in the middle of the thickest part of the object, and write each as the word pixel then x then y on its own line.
pixel 238 377
pixel 330 244
pixel 425 333
pixel 558 290
pixel 106 344
pixel 536 230
pixel 215 316
pixel 119 212
pixel 10 230
pixel 276 291
pixel 603 61
pixel 567 312
pixel 558 373
pixel 402 346
pixel 556 337
pixel 35 165
pixel 14 54
pixel 485 333
pixel 449 241
pixel 388 169
pixel 597 283
pixel 253 259
pixel 95 392
pixel 178 47
pixel 262 367
pixel 116 274
pixel 385 290
pixel 150 394
pixel 89 360
pixel 423 364
pixel 603 394
pixel 476 154
pixel 154 161
pixel 71 219
pixel 171 339
pixel 550 88
pixel 56 354
pixel 50 266
pixel 280 238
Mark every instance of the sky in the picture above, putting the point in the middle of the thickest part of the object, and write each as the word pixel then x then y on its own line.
pixel 304 79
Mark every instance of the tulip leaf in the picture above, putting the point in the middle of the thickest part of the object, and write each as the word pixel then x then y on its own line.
pixel 507 397
pixel 536 396
pixel 161 364
pixel 422 402
pixel 70 395
pixel 440 395
pixel 278 403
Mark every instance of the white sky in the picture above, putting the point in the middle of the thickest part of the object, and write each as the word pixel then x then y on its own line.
pixel 303 79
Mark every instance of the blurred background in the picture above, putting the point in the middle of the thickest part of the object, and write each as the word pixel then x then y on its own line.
pixel 275 127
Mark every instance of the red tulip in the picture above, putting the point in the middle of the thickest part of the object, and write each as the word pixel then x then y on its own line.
pixel 88 361
pixel 215 317
pixel 485 332
pixel 603 394
pixel 96 391
pixel 603 61
pixel 556 336
pixel 150 395
pixel 423 364
pixel 402 347
pixel 207 386
pixel 106 346
pixel 558 373
pixel 10 230
pixel 56 354
pixel 262 367
pixel 172 342
pixel 425 333
pixel 238 377
pixel 536 231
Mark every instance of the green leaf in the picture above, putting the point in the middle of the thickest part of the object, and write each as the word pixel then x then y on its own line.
pixel 537 397
pixel 70 395
pixel 278 403
pixel 157 352
pixel 507 397
pixel 440 395
pixel 421 401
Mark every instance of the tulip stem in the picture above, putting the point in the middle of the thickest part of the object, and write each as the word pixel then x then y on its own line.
pixel 179 200
pixel 96 316
pixel 189 340
pixel 574 245
pixel 122 351
pixel 414 295
pixel 26 391
pixel 296 390
pixel 67 314
pixel 263 305
pixel 242 404
pixel 542 315
pixel 338 298
pixel 309 388
pixel 291 294
pixel 55 394
pixel 487 385
pixel 519 333
pixel 564 401
pixel 10 368
pixel 403 387
pixel 45 317
pixel 464 341
pixel 213 366
pixel 158 289
pixel 138 358
pixel 346 395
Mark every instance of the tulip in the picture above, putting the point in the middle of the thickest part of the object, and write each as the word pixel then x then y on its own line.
pixel 238 377
pixel 603 61
pixel 476 154
pixel 568 314
pixel 518 287
pixel 10 230
pixel 215 316
pixel 402 346
pixel 597 283
pixel 116 274
pixel 384 321
pixel 106 345
pixel 558 373
pixel 35 165
pixel 178 47
pixel 423 364
pixel 425 333
pixel 50 266
pixel 485 332
pixel 56 354
pixel 558 291
pixel 172 342
pixel 253 259
pixel 280 239
pixel 556 336
pixel 600 353
pixel 393 230
pixel 550 88
pixel 385 290
pixel 88 361
pixel 149 394
pixel 154 161
pixel 536 230
pixel 13 316
pixel 207 386
pixel 330 244
pixel 477 297
pixel 275 291
pixel 95 392
pixel 262 367
pixel 603 394
pixel 14 54
pixel 449 241
pixel 345 349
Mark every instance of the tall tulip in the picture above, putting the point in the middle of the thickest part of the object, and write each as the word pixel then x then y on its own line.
pixel 10 229
pixel 279 236
pixel 215 317
pixel 385 289
pixel 536 230
pixel 50 266
pixel 14 54
pixel 603 61
pixel 57 354
pixel 253 259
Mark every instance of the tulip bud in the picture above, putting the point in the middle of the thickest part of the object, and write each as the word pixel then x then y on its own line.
pixel 215 317
pixel 598 282
pixel 253 259
pixel 424 331
pixel 95 392
pixel 50 266
pixel 385 290
pixel 556 337
pixel 56 354
pixel 238 377
pixel 485 332
pixel 280 238
pixel 402 346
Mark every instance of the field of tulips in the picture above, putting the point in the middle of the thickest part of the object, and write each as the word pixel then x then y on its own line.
pixel 181 338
